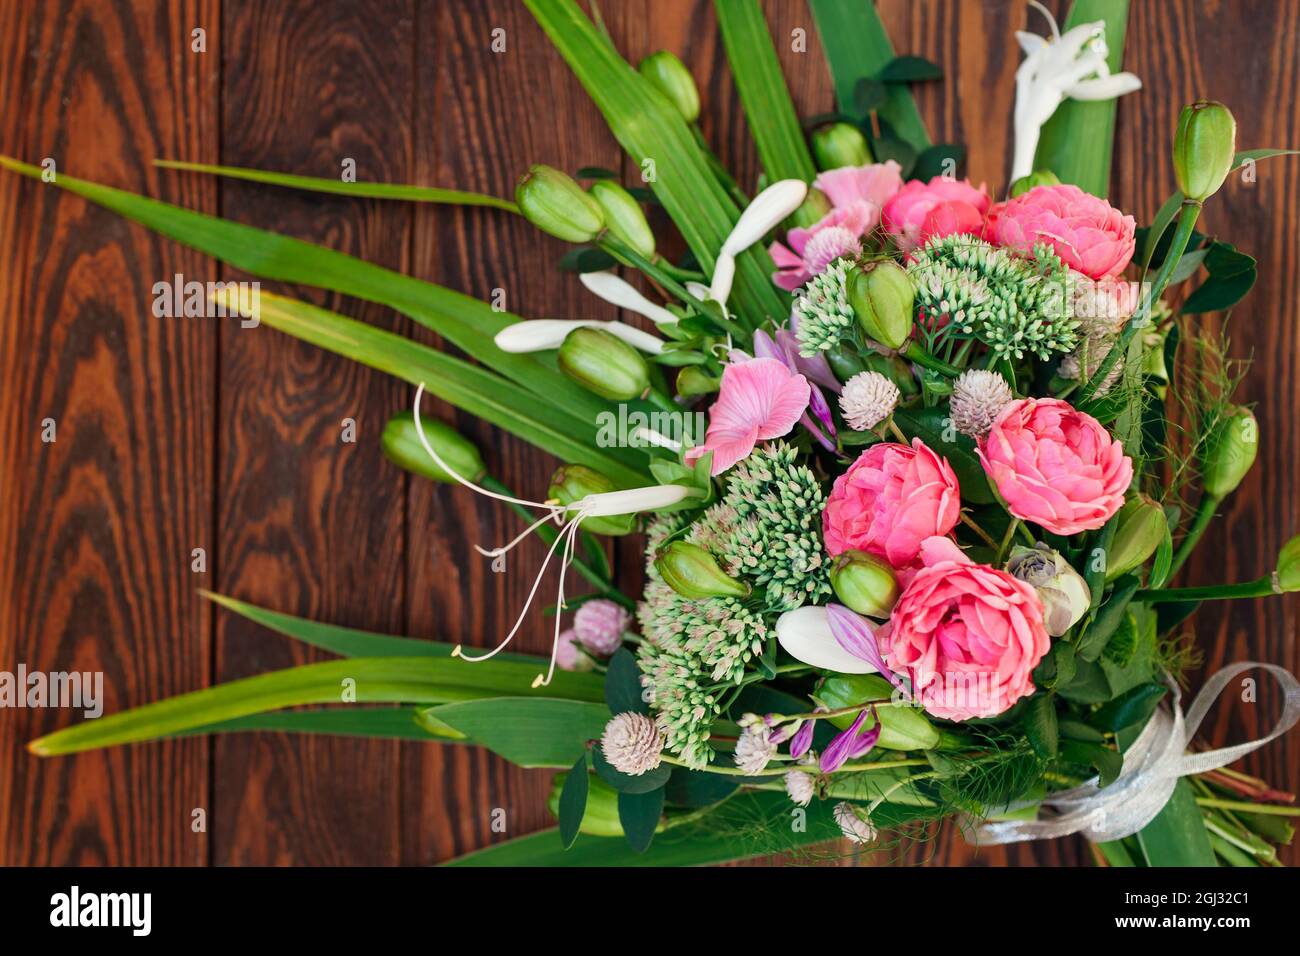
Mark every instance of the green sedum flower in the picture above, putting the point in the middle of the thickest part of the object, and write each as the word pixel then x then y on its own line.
pixel 825 317
pixel 1013 304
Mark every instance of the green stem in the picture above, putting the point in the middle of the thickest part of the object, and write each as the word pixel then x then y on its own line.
pixel 660 400
pixel 629 256
pixel 1204 515
pixel 677 272
pixel 1260 587
pixel 984 535
pixel 915 353
pixel 1187 217
pixel 786 768
pixel 548 535
pixel 1006 539
pixel 1248 807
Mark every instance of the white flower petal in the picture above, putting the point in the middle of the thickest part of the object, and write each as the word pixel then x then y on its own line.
pixel 805 634
pixel 537 335
pixel 649 498
pixel 768 210
pixel 618 291
pixel 1108 88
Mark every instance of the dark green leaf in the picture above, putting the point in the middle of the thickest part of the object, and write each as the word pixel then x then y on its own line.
pixel 1105 761
pixel 1088 685
pixel 1108 618
pixel 1187 265
pixel 586 259
pixel 573 801
pixel 1041 727
pixel 626 783
pixel 868 96
pixel 942 159
pixel 933 427
pixel 1172 613
pixel 1077 730
pixel 696 788
pixel 1217 294
pixel 1177 836
pixel 596 172
pixel 639 813
pixel 1134 706
pixel 623 690
pixel 910 69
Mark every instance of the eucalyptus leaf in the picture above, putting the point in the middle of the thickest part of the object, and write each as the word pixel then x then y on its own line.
pixel 623 690
pixel 627 783
pixel 573 801
pixel 639 813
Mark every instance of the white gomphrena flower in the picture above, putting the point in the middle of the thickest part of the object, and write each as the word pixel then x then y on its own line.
pixel 618 291
pixel 768 210
pixel 754 747
pixel 853 824
pixel 978 397
pixel 867 400
pixel 569 517
pixel 800 786
pixel 632 743
pixel 538 335
pixel 1071 66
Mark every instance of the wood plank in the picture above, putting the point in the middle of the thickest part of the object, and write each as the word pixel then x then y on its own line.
pixel 96 528
pixel 309 524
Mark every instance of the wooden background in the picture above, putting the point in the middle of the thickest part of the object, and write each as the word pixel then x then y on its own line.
pixel 175 434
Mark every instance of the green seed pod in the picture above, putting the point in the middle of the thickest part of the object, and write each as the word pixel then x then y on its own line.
pixel 811 210
pixel 846 362
pixel 604 364
pixel 600 818
pixel 694 573
pixel 1288 566
pixel 693 380
pixel 901 727
pixel 1039 177
pixel 1142 526
pixel 670 76
pixel 556 204
pixel 864 583
pixel 1230 450
pixel 573 483
pixel 1205 146
pixel 401 443
pixel 624 217
pixel 881 295
pixel 895 369
pixel 840 144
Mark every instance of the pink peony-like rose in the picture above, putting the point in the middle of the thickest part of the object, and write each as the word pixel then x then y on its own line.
pixel 968 636
pixel 875 183
pixel 889 501
pixel 942 207
pixel 1089 234
pixel 1055 465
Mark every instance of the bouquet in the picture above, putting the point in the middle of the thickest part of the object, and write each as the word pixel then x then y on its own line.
pixel 914 465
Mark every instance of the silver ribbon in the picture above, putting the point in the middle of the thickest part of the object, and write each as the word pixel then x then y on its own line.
pixel 1152 767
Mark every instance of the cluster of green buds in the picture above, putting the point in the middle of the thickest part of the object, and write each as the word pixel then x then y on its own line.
pixel 1205 147
pixel 882 296
pixel 694 573
pixel 555 203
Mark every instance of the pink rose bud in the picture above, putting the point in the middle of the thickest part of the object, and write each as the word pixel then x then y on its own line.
pixel 906 215
pixel 599 625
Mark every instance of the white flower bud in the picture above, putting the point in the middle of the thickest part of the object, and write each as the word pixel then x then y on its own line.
pixel 538 335
pixel 618 291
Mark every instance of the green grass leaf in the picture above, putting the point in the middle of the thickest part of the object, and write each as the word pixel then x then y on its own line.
pixel 527 731
pixel 769 110
pixel 1177 836
pixel 321 184
pixel 478 391
pixel 388 723
pixel 414 680
pixel 858 48
pixel 1079 139
pixel 654 134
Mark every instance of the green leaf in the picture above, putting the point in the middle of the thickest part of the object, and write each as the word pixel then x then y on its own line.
pixel 1093 640
pixel 527 731
pixel 573 801
pixel 623 691
pixel 639 813
pixel 481 393
pixel 910 69
pixel 698 788
pixel 415 680
pixel 465 322
pixel 1041 726
pixel 941 159
pixel 586 259
pixel 1105 761
pixel 857 47
pixel 1254 155
pixel 393 723
pixel 1159 226
pixel 932 426
pixel 1177 836
pixel 654 134
pixel 319 184
pixel 1133 707
pixel 1232 275
pixel 769 111
pixel 1077 142
pixel 626 783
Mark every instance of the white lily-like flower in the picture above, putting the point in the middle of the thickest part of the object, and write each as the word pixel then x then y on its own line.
pixel 537 335
pixel 1071 66
pixel 618 291
pixel 769 209
pixel 805 634
pixel 569 517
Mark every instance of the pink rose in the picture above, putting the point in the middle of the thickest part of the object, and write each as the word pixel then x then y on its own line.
pixel 889 501
pixel 1088 234
pixel 967 635
pixel 1055 465
pixel 942 207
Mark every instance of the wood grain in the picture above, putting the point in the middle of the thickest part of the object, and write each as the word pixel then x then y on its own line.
pixel 175 434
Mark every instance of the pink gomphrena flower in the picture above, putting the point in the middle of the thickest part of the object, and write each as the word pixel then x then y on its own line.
pixel 599 625
pixel 568 517
pixel 759 399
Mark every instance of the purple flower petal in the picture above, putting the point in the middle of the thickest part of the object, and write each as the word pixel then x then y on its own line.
pixel 849 744
pixel 801 743
pixel 814 368
pixel 854 634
